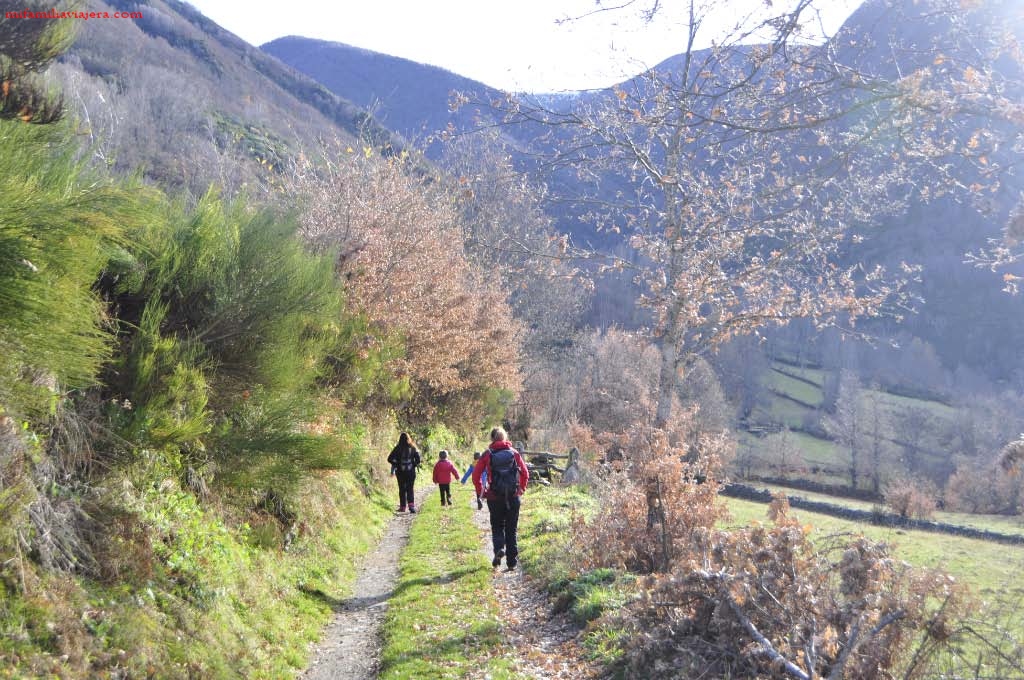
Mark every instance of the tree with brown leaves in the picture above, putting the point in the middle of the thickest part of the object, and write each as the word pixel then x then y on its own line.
pixel 400 252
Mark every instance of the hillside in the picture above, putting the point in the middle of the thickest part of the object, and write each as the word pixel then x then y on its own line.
pixel 405 96
pixel 191 103
pixel 964 317
pixel 207 352
pixel 194 396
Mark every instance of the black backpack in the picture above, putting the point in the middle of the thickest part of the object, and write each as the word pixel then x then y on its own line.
pixel 408 459
pixel 504 474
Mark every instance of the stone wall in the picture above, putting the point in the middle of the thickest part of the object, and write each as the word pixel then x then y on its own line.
pixel 878 517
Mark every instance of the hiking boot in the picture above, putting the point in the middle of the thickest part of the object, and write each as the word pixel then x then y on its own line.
pixel 401 508
pixel 511 565
pixel 412 508
pixel 497 558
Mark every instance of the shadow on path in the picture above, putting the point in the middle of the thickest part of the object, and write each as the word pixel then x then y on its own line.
pixel 349 605
pixel 439 580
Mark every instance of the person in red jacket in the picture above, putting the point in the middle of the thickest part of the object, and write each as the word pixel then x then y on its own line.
pixel 507 476
pixel 444 474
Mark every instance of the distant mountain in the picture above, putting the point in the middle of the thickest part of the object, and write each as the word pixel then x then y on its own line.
pixel 406 96
pixel 190 103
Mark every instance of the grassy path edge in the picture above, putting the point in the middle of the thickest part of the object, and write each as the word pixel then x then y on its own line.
pixel 443 619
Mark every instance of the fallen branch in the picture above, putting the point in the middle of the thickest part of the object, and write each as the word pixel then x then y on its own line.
pixel 837 670
pixel 767 649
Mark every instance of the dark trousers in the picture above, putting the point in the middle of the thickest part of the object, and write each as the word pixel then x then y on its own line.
pixel 406 480
pixel 505 527
pixel 446 493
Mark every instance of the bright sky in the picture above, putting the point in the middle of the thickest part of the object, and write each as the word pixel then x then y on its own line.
pixel 517 45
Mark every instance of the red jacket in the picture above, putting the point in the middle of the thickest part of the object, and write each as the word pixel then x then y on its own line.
pixel 445 472
pixel 485 464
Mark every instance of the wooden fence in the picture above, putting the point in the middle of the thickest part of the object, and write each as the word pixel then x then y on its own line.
pixel 543 463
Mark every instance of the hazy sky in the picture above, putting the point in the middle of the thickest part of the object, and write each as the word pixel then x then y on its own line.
pixel 511 44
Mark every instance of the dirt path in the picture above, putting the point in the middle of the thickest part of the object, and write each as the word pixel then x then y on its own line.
pixel 547 645
pixel 351 645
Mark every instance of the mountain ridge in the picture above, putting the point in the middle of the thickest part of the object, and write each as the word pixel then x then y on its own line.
pixel 409 97
pixel 193 104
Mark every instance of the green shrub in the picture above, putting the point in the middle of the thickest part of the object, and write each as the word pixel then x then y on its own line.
pixel 439 437
pixel 58 224
pixel 358 365
pixel 235 322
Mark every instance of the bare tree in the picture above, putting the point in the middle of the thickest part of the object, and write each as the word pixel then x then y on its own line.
pixel 846 425
pixel 783 452
pixel 911 423
pixel 742 173
pixel 876 437
pixel 741 367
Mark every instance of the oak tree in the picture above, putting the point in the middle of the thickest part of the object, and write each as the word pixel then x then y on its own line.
pixel 745 172
pixel 400 253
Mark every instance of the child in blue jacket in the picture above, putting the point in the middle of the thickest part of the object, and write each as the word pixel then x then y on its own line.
pixel 483 476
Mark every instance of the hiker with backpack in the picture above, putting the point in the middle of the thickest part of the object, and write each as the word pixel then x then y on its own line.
pixel 404 460
pixel 507 476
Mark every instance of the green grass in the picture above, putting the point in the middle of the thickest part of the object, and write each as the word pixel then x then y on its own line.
pixel 782 411
pixel 816 452
pixel 797 389
pixel 1000 523
pixel 992 569
pixel 442 619
pixel 935 408
pixel 546 552
pixel 814 375
pixel 215 604
pixel 544 529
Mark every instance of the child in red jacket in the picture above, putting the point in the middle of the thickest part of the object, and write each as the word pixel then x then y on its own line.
pixel 444 474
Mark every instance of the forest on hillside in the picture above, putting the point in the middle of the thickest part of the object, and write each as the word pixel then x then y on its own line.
pixel 224 291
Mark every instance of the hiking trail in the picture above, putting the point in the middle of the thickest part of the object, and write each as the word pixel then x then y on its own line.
pixel 547 645
pixel 351 644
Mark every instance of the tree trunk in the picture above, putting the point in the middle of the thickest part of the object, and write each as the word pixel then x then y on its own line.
pixel 666 379
pixel 668 374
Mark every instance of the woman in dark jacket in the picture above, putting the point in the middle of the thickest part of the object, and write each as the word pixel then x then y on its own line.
pixel 404 460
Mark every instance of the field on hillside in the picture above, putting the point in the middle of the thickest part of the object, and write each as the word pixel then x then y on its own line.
pixel 794 398
pixel 1000 523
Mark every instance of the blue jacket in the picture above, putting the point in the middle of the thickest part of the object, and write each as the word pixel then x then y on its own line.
pixel 469 471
